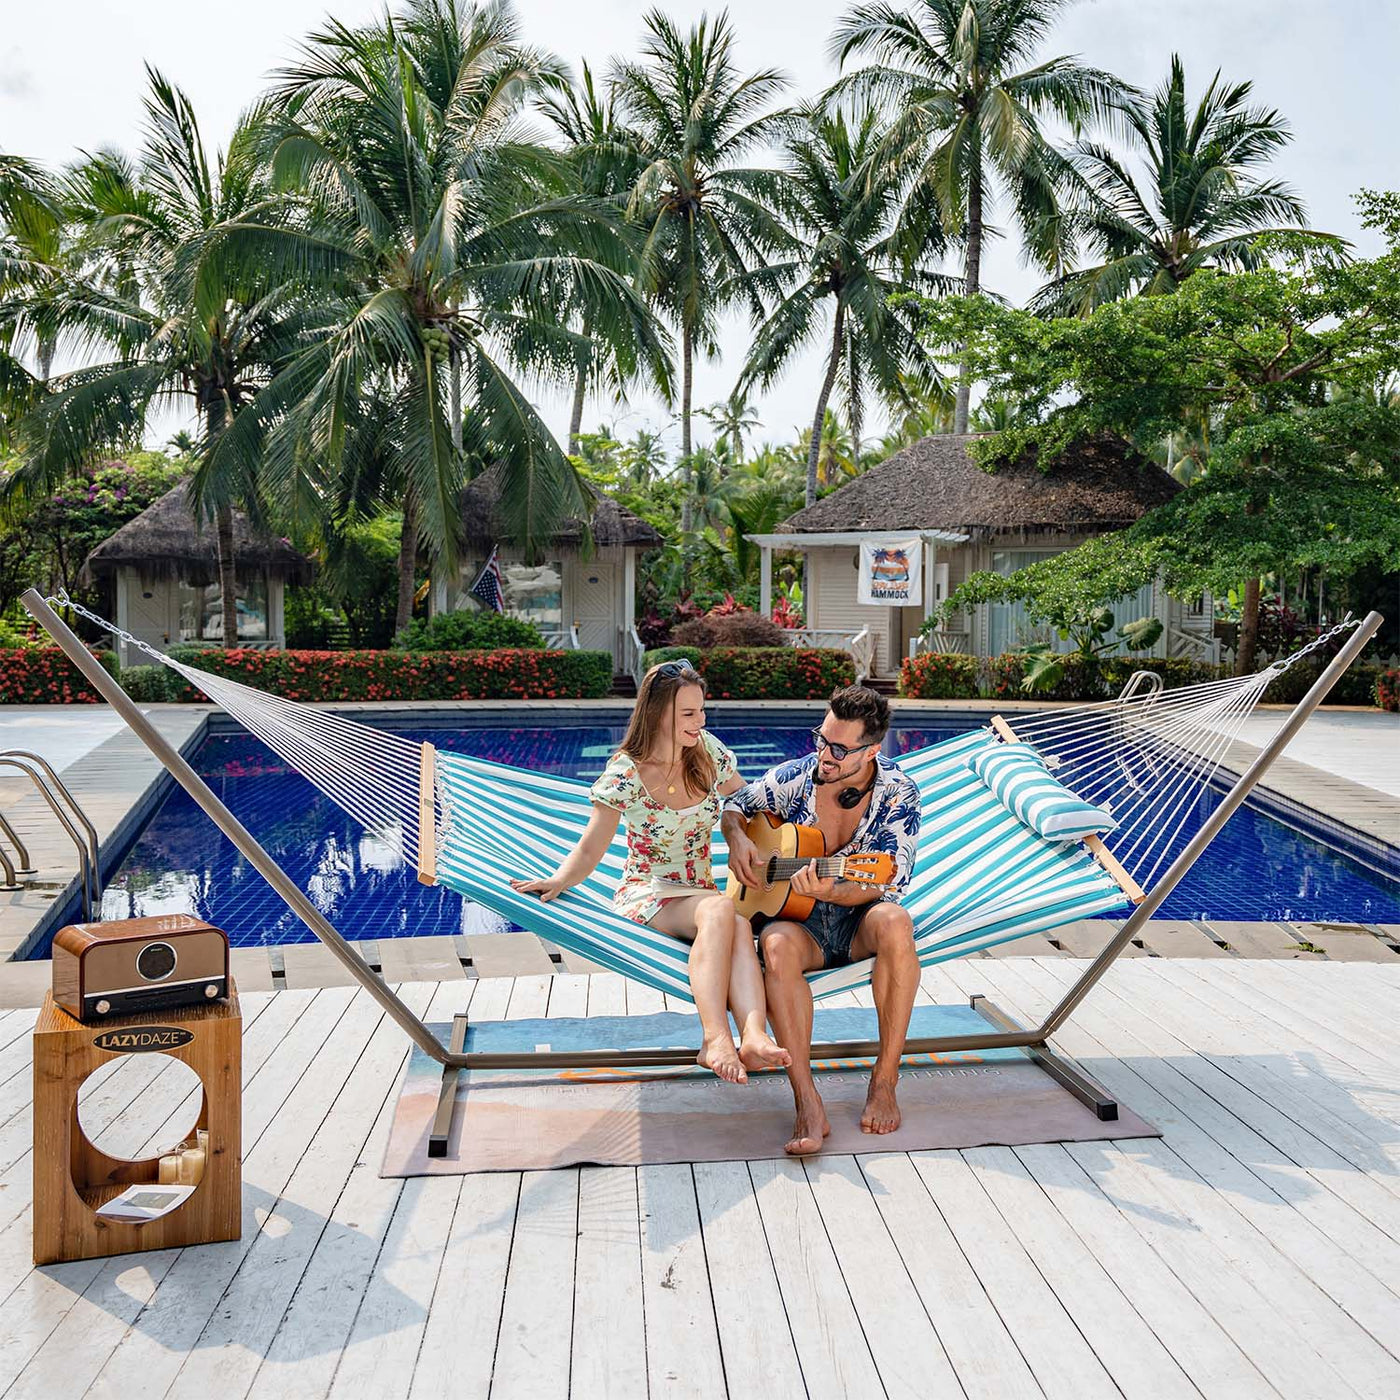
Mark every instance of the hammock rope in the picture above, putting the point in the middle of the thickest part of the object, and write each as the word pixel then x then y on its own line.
pixel 1149 758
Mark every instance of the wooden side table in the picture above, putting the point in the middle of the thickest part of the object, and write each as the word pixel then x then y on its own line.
pixel 72 1177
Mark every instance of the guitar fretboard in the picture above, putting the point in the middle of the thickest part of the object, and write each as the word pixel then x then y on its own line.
pixel 785 867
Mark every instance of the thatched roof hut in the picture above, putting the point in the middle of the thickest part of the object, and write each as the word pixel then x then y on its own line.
pixel 935 484
pixel 166 542
pixel 612 523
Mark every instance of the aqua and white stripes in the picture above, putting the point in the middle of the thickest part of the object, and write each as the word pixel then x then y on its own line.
pixel 982 876
pixel 1017 777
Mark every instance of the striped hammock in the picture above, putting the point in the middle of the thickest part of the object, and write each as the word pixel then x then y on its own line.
pixel 984 875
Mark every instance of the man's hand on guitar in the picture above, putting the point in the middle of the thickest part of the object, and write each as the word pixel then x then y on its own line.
pixel 807 881
pixel 744 860
pixel 546 889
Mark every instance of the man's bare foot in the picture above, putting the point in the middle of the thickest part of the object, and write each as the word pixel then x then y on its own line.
pixel 719 1055
pixel 763 1052
pixel 809 1130
pixel 881 1111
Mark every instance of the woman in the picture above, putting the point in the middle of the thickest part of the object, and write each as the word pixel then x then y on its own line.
pixel 665 782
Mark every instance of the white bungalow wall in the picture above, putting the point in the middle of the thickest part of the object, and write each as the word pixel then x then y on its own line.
pixel 833 605
pixel 596 595
pixel 150 610
pixel 975 624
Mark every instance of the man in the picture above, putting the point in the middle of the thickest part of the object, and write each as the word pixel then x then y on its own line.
pixel 860 801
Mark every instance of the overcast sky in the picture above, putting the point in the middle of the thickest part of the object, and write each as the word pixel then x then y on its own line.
pixel 71 79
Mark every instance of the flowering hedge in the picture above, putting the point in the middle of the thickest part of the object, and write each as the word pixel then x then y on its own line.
pixel 939 676
pixel 1355 686
pixel 775 673
pixel 45 676
pixel 1388 690
pixel 514 673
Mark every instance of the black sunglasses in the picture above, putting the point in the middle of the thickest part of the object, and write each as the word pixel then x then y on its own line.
pixel 840 752
pixel 677 668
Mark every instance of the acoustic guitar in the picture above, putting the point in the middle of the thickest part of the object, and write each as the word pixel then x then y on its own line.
pixel 783 849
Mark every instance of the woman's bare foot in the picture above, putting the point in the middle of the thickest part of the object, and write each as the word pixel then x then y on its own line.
pixel 718 1054
pixel 763 1052
pixel 881 1110
pixel 809 1130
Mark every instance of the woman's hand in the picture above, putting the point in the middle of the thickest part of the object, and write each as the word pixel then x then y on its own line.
pixel 548 889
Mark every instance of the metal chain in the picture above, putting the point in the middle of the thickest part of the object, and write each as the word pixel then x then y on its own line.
pixel 1345 625
pixel 61 599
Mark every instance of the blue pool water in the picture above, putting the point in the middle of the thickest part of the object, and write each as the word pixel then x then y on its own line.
pixel 1257 868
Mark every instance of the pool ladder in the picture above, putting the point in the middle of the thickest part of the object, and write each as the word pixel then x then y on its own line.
pixel 65 807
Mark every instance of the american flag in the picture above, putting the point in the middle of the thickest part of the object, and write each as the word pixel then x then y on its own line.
pixel 487 587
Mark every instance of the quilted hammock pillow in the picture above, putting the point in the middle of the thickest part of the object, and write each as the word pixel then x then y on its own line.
pixel 1018 779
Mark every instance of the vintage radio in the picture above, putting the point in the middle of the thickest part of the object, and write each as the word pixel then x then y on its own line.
pixel 130 965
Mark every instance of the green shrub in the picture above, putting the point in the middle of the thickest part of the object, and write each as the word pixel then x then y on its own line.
pixel 522 673
pixel 153 684
pixel 1176 671
pixel 657 655
pixel 1355 686
pixel 45 676
pixel 1082 679
pixel 775 673
pixel 11 638
pixel 473 629
pixel 939 676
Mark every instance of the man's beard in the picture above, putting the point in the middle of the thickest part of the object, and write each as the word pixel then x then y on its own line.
pixel 836 777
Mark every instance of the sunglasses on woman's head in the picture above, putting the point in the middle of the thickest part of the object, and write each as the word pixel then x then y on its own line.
pixel 677 668
pixel 840 752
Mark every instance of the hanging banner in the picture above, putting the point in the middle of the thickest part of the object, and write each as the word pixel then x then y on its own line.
pixel 890 574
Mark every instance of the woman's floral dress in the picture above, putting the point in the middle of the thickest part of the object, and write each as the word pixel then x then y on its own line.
pixel 663 842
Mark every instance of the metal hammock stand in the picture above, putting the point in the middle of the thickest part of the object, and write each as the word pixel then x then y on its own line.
pixel 1003 1031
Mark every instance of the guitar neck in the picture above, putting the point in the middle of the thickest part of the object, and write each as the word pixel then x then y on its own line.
pixel 785 867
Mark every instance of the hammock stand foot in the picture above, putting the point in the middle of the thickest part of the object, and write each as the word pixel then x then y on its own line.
pixel 447 1091
pixel 1062 1071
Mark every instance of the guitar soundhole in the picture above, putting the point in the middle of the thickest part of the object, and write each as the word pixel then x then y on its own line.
pixel 769 871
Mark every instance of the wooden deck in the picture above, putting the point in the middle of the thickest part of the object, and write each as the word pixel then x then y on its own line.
pixel 1253 1251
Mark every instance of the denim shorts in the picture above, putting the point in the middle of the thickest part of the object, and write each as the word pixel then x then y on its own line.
pixel 834 928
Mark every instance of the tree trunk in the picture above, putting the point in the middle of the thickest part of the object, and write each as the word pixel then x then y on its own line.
pixel 687 353
pixel 455 359
pixel 814 447
pixel 1249 629
pixel 228 589
pixel 408 560
pixel 972 283
pixel 223 534
pixel 580 393
pixel 576 413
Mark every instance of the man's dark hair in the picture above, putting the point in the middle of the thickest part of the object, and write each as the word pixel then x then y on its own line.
pixel 858 702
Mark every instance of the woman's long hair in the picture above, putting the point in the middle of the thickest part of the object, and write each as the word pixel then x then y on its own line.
pixel 655 715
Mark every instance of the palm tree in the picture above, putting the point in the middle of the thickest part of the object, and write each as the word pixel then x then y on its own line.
pixel 31 226
pixel 463 240
pixel 834 452
pixel 732 419
pixel 604 161
pixel 158 289
pixel 1202 204
pixel 838 201
pixel 644 457
pixel 967 103
pixel 693 117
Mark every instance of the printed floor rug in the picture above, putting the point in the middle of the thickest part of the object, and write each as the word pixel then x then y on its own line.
pixel 527 1120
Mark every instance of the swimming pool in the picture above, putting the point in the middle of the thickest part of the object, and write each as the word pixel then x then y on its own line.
pixel 1257 868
